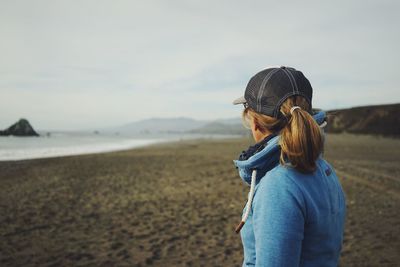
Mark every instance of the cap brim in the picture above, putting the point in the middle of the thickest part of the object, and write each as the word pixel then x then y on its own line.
pixel 239 100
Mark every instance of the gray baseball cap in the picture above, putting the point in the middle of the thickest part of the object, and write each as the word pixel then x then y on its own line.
pixel 269 88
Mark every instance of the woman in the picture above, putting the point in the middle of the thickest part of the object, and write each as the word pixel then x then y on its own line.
pixel 295 211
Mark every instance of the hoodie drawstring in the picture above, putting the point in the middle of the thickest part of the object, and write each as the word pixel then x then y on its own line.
pixel 249 201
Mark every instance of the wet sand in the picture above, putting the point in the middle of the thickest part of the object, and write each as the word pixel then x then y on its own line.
pixel 177 204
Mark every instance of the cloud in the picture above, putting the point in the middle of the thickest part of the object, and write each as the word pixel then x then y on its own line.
pixel 186 57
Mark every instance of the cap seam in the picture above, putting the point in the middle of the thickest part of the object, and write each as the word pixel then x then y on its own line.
pixel 294 80
pixel 293 87
pixel 262 87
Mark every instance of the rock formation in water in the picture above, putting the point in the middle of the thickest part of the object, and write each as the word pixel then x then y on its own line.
pixel 20 128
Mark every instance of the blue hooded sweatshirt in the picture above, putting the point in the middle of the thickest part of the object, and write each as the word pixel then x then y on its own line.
pixel 294 219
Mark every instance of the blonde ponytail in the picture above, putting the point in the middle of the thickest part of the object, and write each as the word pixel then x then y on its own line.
pixel 301 139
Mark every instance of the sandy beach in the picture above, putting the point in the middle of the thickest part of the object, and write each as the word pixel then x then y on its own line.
pixel 177 204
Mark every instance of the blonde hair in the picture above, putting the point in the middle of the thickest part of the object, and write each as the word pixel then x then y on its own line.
pixel 301 139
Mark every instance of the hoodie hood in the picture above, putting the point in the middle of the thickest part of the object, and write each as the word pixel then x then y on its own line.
pixel 267 158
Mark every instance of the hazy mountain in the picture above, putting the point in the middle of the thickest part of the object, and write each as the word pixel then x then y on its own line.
pixel 235 120
pixel 158 125
pixel 217 127
pixel 379 119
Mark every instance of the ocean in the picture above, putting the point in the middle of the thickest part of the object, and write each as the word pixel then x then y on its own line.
pixel 75 143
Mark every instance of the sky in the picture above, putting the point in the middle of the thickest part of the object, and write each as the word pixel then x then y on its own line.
pixel 71 65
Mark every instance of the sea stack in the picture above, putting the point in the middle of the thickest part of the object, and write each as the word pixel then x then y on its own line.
pixel 20 128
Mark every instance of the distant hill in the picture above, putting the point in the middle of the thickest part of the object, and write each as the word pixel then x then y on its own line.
pixel 20 128
pixel 379 120
pixel 217 127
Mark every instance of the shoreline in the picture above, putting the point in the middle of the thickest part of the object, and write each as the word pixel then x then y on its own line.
pixel 204 138
pixel 109 148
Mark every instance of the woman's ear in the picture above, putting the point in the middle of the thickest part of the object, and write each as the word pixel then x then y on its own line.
pixel 254 124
